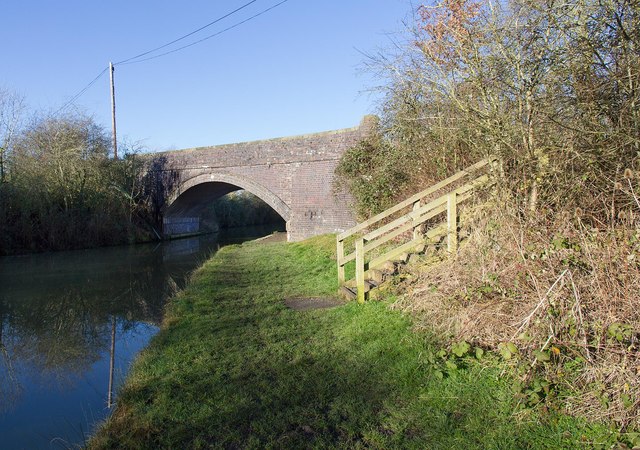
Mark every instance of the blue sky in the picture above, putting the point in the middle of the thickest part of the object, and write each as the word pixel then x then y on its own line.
pixel 293 70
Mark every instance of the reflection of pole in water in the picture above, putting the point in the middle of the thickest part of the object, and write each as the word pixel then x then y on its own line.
pixel 111 362
pixel 13 389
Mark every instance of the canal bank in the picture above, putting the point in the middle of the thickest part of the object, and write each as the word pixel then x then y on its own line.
pixel 234 367
pixel 72 321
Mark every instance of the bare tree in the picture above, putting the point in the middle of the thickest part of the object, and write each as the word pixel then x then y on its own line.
pixel 11 110
pixel 551 87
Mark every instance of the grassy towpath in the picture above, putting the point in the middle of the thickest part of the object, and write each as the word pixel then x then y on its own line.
pixel 233 367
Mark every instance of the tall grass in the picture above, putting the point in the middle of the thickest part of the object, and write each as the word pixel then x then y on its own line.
pixel 563 292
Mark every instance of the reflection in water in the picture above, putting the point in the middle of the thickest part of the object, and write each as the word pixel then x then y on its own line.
pixel 9 387
pixel 70 324
pixel 112 362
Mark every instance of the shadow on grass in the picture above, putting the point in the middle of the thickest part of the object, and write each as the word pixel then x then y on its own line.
pixel 235 368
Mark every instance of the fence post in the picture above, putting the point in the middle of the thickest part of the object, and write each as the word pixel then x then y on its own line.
pixel 416 230
pixel 452 222
pixel 360 269
pixel 340 257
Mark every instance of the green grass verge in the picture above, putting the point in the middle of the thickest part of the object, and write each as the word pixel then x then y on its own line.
pixel 234 368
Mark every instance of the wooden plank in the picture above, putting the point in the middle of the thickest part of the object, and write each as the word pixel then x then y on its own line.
pixel 472 184
pixel 360 269
pixel 350 257
pixel 414 198
pixel 404 219
pixel 348 292
pixel 452 222
pixel 438 230
pixel 416 229
pixel 423 209
pixel 419 215
pixel 406 227
pixel 465 195
pixel 377 262
pixel 340 258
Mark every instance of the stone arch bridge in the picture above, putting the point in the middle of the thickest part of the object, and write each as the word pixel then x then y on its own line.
pixel 294 175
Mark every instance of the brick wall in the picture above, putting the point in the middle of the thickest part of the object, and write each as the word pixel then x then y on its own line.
pixel 294 175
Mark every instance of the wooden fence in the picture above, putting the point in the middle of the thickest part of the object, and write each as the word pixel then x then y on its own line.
pixel 367 238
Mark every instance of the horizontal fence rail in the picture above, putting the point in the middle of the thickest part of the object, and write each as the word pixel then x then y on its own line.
pixel 383 228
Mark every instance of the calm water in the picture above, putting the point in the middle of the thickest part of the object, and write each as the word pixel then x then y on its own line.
pixel 58 313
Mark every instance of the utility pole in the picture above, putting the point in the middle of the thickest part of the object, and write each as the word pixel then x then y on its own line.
pixel 113 112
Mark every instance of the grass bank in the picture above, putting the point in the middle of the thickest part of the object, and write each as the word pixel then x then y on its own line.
pixel 234 367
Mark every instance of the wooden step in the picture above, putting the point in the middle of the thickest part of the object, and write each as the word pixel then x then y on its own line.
pixel 348 293
pixel 402 258
pixel 388 268
pixel 370 284
pixel 431 226
pixel 377 276
pixel 414 258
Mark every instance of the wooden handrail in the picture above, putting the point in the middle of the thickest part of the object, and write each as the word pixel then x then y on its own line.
pixel 421 214
pixel 413 199
pixel 420 211
pixel 411 220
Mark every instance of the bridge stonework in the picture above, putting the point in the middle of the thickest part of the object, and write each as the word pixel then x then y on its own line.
pixel 294 175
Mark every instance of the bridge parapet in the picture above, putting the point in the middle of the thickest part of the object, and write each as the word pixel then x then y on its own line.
pixel 294 175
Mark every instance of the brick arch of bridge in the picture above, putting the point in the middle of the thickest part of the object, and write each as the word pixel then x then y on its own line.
pixel 294 175
pixel 196 192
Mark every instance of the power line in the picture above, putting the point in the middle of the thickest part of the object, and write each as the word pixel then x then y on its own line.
pixel 131 60
pixel 82 91
pixel 208 37
pixel 187 35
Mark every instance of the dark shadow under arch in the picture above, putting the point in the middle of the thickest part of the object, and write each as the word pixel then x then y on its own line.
pixel 194 195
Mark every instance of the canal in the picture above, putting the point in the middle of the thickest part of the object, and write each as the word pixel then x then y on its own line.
pixel 72 321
